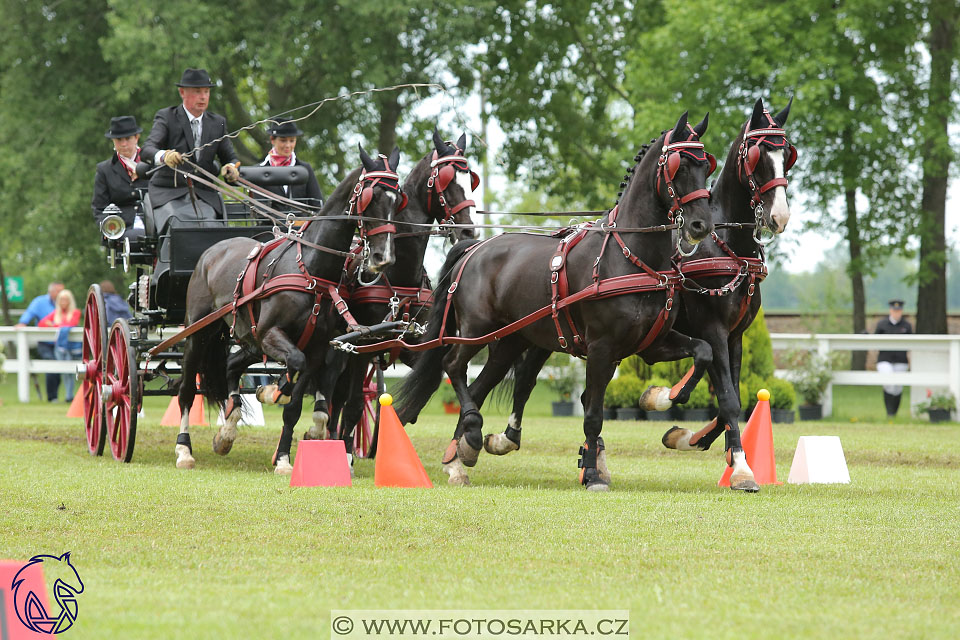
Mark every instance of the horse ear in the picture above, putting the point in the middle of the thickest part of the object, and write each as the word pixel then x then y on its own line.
pixel 781 118
pixel 757 120
pixel 701 128
pixel 394 159
pixel 680 130
pixel 438 142
pixel 462 142
pixel 368 163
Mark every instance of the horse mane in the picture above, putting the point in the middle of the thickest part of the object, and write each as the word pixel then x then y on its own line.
pixel 636 161
pixel 338 200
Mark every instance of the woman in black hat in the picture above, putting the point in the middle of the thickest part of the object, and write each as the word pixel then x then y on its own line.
pixel 283 137
pixel 117 181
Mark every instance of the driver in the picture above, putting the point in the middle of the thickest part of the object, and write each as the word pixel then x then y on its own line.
pixel 117 181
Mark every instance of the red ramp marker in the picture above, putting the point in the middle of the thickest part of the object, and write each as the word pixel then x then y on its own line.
pixel 321 463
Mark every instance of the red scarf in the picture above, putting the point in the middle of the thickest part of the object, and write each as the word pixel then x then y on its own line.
pixel 277 160
pixel 131 169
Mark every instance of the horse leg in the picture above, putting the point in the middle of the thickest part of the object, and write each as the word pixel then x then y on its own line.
pixel 237 363
pixel 526 379
pixel 469 431
pixel 600 370
pixel 276 344
pixel 674 346
pixel 321 428
pixel 291 413
pixel 353 403
pixel 185 397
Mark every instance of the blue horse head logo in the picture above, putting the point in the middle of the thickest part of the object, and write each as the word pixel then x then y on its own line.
pixel 65 586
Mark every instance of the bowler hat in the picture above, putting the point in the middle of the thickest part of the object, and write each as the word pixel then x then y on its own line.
pixel 284 128
pixel 123 127
pixel 896 304
pixel 195 78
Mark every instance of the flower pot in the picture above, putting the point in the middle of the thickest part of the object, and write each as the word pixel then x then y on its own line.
pixel 451 407
pixel 811 412
pixel 939 415
pixel 782 415
pixel 699 414
pixel 609 413
pixel 562 408
pixel 628 413
pixel 664 416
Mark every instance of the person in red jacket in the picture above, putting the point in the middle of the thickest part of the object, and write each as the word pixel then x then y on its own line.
pixel 64 315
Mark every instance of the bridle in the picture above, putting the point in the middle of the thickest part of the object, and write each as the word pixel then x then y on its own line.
pixel 667 166
pixel 360 199
pixel 748 157
pixel 444 170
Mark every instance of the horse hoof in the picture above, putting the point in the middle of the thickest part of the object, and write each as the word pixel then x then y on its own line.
pixel 499 444
pixel 457 474
pixel 678 438
pixel 185 457
pixel 602 469
pixel 598 486
pixel 750 486
pixel 656 399
pixel 283 467
pixel 270 394
pixel 467 454
pixel 221 446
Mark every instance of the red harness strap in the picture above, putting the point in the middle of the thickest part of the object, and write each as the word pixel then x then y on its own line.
pixel 559 289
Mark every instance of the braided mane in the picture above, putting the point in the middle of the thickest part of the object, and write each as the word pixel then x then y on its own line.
pixel 636 160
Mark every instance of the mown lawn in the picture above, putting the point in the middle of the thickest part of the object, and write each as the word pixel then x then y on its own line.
pixel 230 551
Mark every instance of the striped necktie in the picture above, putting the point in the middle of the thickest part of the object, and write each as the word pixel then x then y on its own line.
pixel 195 125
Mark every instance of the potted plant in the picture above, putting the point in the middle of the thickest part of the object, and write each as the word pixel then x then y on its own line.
pixel 611 399
pixel 939 405
pixel 656 381
pixel 562 378
pixel 782 399
pixel 451 404
pixel 810 375
pixel 626 393
pixel 698 407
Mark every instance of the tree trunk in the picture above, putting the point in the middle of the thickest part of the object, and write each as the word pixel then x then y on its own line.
pixel 3 297
pixel 389 116
pixel 855 270
pixel 932 291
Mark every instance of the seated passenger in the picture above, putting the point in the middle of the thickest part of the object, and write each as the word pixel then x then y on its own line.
pixel 283 137
pixel 116 181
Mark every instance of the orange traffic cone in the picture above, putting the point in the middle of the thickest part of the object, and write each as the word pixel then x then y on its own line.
pixel 321 463
pixel 757 440
pixel 76 405
pixel 171 417
pixel 397 462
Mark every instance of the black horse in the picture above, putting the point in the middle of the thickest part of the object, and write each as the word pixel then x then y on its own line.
pixel 278 325
pixel 716 308
pixel 438 189
pixel 486 287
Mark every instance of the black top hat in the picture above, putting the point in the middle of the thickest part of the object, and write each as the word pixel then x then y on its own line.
pixel 123 127
pixel 896 304
pixel 195 78
pixel 284 128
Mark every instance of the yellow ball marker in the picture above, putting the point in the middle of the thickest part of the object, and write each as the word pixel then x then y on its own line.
pixel 763 395
pixel 386 400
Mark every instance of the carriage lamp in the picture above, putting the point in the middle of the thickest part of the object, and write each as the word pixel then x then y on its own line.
pixel 112 226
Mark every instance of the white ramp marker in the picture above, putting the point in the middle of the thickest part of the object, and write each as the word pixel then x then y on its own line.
pixel 819 459
pixel 251 412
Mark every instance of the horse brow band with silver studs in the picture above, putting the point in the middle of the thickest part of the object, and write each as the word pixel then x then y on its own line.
pixel 381 174
pixel 683 145
pixel 766 132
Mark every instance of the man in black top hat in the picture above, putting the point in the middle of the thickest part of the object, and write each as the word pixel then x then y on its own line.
pixel 184 131
pixel 283 137
pixel 888 361
pixel 117 181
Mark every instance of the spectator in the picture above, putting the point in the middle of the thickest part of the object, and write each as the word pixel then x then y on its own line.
pixel 65 315
pixel 116 181
pixel 39 308
pixel 889 361
pixel 283 137
pixel 113 303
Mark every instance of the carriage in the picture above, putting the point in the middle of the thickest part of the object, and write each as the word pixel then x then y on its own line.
pixel 116 364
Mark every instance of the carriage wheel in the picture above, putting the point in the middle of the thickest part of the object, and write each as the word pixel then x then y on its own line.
pixel 364 437
pixel 121 392
pixel 94 344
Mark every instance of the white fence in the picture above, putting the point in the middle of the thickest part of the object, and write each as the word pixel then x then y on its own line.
pixel 934 361
pixel 22 365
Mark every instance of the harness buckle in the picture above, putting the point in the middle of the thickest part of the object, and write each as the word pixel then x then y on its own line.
pixel 554 276
pixel 311 285
pixel 563 342
pixel 316 309
pixel 340 305
pixel 453 287
pixel 751 289
pixel 669 305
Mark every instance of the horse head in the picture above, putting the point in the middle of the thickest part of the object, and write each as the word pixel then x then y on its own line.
pixel 442 183
pixel 376 198
pixel 682 170
pixel 764 156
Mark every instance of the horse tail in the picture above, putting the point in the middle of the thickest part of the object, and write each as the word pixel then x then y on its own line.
pixel 418 387
pixel 212 353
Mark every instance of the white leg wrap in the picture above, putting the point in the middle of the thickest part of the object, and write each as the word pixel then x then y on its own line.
pixel 457 472
pixel 184 459
pixel 283 468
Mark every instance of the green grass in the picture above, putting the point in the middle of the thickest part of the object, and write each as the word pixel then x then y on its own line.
pixel 230 551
